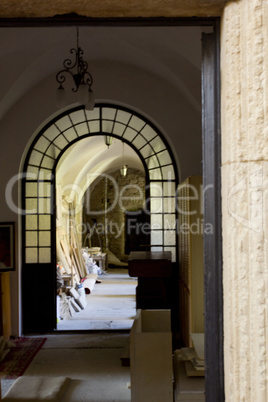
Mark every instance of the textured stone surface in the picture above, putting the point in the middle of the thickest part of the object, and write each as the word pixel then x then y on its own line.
pixel 132 187
pixel 244 53
pixel 111 8
pixel 245 222
pixel 244 61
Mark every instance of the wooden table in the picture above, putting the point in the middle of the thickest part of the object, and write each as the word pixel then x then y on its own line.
pixel 101 260
pixel 153 270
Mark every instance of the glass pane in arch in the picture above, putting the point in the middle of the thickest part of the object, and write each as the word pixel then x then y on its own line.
pixel 170 237
pixel 155 174
pixel 156 221
pixel 157 237
pixel 123 117
pixel 119 129
pixel 148 132
pixel 129 134
pixel 42 144
pixel 52 132
pixel 156 189
pixel 157 205
pixel 70 134
pixel 152 162
pixel 107 126
pixel 47 162
pixel 77 116
pixel 108 113
pixel 64 123
pixel 35 158
pixel 139 141
pixel 147 151
pixel 53 151
pixel 169 188
pixel 170 221
pixel 93 115
pixel 94 126
pixel 168 172
pixel 81 129
pixel 31 189
pixel 31 238
pixel 136 123
pixel 31 256
pixel 60 142
pixel 164 157
pixel 157 144
pixel 32 171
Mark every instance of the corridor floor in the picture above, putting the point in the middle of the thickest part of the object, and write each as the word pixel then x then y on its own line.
pixel 92 362
pixel 111 305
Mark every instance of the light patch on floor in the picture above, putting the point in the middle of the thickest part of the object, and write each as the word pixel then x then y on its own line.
pixel 111 305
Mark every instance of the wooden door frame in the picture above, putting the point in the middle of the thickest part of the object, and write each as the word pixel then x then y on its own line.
pixel 211 171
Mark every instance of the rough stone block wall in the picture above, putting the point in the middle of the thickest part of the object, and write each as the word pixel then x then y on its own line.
pixel 244 69
pixel 123 194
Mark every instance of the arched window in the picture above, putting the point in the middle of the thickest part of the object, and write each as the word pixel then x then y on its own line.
pixel 38 195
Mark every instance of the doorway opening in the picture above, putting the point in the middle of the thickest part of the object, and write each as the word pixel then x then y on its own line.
pixel 79 133
pixel 40 229
pixel 94 209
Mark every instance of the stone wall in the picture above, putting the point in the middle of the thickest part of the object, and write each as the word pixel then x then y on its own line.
pixel 112 8
pixel 244 68
pixel 123 194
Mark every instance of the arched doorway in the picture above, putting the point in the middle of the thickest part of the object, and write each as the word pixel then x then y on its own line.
pixel 38 196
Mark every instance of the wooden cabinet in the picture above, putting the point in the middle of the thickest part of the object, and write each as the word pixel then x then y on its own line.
pixel 153 269
pixel 191 270
pixel 5 315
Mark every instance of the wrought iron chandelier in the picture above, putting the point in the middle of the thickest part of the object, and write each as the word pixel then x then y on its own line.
pixel 82 79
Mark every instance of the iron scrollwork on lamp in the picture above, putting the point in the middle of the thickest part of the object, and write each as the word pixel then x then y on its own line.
pixel 82 79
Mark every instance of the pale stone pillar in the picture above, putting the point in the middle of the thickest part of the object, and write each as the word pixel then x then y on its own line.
pixel 244 74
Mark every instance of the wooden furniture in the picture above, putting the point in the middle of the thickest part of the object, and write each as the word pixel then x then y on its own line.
pixel 191 272
pixel 153 270
pixel 101 260
pixel 5 310
pixel 151 371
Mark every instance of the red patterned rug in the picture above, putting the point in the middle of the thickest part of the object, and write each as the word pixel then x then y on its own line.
pixel 19 357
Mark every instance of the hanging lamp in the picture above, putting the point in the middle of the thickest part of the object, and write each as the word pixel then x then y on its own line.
pixel 124 168
pixel 108 140
pixel 81 78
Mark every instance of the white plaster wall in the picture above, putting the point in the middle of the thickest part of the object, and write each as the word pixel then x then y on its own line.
pixel 244 68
